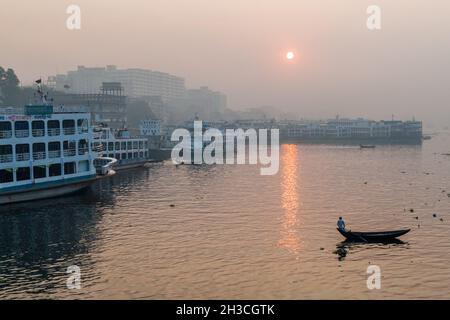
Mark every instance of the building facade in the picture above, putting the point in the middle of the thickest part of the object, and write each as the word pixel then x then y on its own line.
pixel 135 82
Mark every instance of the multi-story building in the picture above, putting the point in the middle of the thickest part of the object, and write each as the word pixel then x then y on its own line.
pixel 107 106
pixel 204 98
pixel 135 82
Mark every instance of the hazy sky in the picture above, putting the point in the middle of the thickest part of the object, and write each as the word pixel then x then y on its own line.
pixel 239 47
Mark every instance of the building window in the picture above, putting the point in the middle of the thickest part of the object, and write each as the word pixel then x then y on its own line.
pixel 39 172
pixel 69 168
pixel 23 174
pixel 38 128
pixel 54 170
pixel 6 175
pixel 22 129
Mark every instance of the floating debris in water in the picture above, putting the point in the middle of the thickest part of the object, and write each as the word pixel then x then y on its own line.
pixel 411 210
pixel 172 205
pixel 441 219
pixel 322 248
pixel 365 182
pixel 434 215
pixel 417 218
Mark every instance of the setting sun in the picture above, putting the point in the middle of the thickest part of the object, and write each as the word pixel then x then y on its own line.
pixel 290 55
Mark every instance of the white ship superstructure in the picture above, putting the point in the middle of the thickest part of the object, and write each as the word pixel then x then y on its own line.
pixel 44 152
pixel 129 152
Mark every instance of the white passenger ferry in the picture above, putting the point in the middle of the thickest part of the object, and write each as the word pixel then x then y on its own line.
pixel 129 152
pixel 45 152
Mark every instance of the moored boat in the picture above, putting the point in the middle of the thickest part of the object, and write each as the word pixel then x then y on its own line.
pixel 44 152
pixel 117 144
pixel 379 236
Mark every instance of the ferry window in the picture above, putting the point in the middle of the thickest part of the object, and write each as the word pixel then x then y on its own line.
pixel 69 127
pixel 22 152
pixel 5 129
pixel 141 144
pixel 54 170
pixel 129 144
pixel 83 166
pixel 69 148
pixel 38 151
pixel 53 128
pixel 141 154
pixel 130 155
pixel 6 175
pixel 23 174
pixel 83 125
pixel 135 144
pixel 117 156
pixel 124 156
pixel 111 155
pixel 38 128
pixel 135 155
pixel 146 154
pixel 22 129
pixel 54 149
pixel 69 168
pixel 124 146
pixel 82 147
pixel 39 172
pixel 111 146
pixel 6 153
pixel 117 146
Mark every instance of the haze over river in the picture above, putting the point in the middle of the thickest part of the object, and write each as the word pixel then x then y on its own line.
pixel 226 232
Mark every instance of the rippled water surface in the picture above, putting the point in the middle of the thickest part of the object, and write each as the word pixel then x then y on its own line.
pixel 228 232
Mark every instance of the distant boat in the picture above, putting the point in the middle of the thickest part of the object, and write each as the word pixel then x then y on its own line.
pixel 366 146
pixel 373 236
pixel 426 137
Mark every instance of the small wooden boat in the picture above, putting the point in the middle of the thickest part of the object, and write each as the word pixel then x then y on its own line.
pixel 379 236
pixel 366 146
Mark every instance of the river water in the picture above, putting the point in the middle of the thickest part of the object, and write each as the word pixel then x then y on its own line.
pixel 226 232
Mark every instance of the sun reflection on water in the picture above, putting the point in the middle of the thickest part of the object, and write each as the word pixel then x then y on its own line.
pixel 290 199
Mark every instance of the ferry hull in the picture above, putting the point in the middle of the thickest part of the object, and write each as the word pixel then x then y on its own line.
pixel 38 193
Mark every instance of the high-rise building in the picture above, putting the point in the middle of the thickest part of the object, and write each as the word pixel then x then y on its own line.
pixel 135 82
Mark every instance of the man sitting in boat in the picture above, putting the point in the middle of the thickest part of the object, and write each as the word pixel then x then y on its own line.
pixel 341 224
